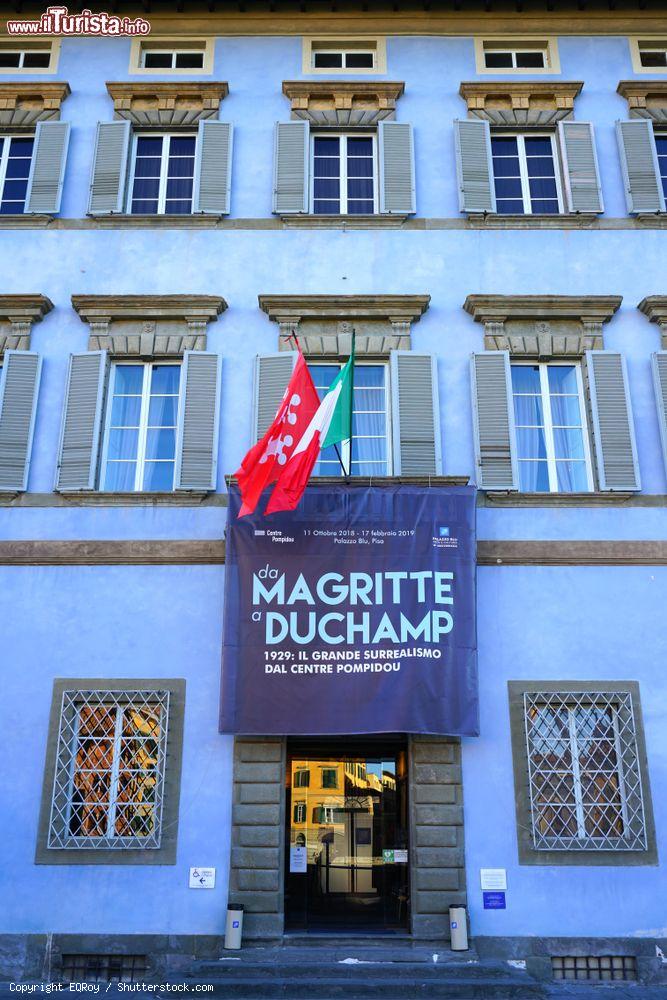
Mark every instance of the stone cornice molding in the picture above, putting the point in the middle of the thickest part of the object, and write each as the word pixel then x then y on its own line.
pixel 22 105
pixel 543 326
pixel 148 325
pixel 176 103
pixel 18 313
pixel 343 102
pixel 520 102
pixel 646 98
pixel 328 320
pixel 654 308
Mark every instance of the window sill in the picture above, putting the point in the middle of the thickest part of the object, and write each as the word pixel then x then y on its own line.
pixel 309 221
pixel 124 220
pixel 593 499
pixel 574 220
pixel 26 220
pixel 100 498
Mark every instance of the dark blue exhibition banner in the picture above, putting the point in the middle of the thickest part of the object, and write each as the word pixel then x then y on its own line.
pixel 354 613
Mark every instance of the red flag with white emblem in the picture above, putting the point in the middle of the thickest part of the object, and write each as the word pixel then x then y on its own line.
pixel 264 463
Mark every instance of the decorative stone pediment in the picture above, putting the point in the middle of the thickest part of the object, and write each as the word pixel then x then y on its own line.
pixel 655 308
pixel 148 325
pixel 18 313
pixel 323 324
pixel 167 104
pixel 520 102
pixel 22 105
pixel 543 326
pixel 646 98
pixel 342 102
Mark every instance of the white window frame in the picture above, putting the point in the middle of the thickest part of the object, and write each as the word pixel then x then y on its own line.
pixel 164 167
pixel 523 166
pixel 548 420
pixel 143 418
pixel 301 810
pixel 343 168
pixel 4 159
pixel 659 133
pixel 52 47
pixel 173 54
pixel 548 45
pixel 172 45
pixel 343 53
pixel 639 44
pixel 344 447
pixel 319 43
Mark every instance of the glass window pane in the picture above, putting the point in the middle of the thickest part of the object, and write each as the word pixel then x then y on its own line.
pixel 653 58
pixel 326 166
pixel 544 207
pixel 533 477
pixel 568 442
pixel 123 444
pixel 160 443
pixel 530 60
pixel 359 60
pixel 165 379
pixel 15 190
pixel 368 375
pixel 146 166
pixel 179 188
pixel 372 449
pixel 189 60
pixel 356 207
pixel 144 207
pixel 540 166
pixel 18 166
pixel 565 411
pixel 328 60
pixel 360 166
pixel 538 145
pixel 149 145
pixel 531 443
pixel 526 378
pixel 145 189
pixel 128 379
pixel 125 411
pixel 572 477
pixel 358 187
pixel 498 60
pixel 158 60
pixel 326 207
pixel 508 188
pixel 506 166
pixel 119 477
pixel 182 145
pixel 36 60
pixel 508 207
pixel 563 379
pixel 178 207
pixel 181 166
pixel 326 146
pixel 162 411
pixel 504 146
pixel 10 60
pixel 158 476
pixel 360 147
pixel 328 189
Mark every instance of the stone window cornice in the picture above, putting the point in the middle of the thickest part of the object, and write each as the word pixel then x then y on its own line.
pixel 520 102
pixel 18 314
pixel 148 325
pixel 172 104
pixel 646 98
pixel 654 308
pixel 22 105
pixel 543 326
pixel 342 102
pixel 323 324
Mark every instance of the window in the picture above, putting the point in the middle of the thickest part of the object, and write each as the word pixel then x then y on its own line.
pixel 302 778
pixel 329 777
pixel 35 57
pixel 110 762
pixel 344 175
pixel 510 55
pixel 172 56
pixel 300 812
pixel 172 59
pixel 585 784
pixel 525 174
pixel 652 55
pixel 323 814
pixel 140 438
pixel 15 159
pixel 661 147
pixel 351 55
pixel 343 59
pixel 370 422
pixel 163 169
pixel 103 968
pixel 552 438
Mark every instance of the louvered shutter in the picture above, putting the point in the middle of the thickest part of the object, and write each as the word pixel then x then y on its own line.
pixel 493 421
pixel 659 364
pixel 580 166
pixel 19 386
pixel 82 422
pixel 396 168
pixel 639 163
pixel 47 168
pixel 198 421
pixel 272 373
pixel 613 429
pixel 107 182
pixel 474 166
pixel 290 168
pixel 415 414
pixel 213 168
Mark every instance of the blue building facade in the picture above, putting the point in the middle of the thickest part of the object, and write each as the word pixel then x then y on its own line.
pixel 457 188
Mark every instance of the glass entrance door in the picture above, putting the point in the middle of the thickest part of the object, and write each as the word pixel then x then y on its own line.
pixel 347 838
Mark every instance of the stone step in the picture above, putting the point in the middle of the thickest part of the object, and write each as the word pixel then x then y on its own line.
pixel 387 970
pixel 365 987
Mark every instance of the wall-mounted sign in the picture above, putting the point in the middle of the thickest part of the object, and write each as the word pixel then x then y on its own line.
pixel 202 878
pixel 494 900
pixel 401 857
pixel 355 613
pixel 493 879
pixel 298 860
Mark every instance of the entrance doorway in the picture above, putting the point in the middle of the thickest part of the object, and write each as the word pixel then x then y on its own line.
pixel 346 865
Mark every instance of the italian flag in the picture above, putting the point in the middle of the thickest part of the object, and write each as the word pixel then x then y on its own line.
pixel 331 424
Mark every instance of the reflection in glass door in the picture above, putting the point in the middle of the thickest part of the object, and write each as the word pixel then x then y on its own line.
pixel 346 865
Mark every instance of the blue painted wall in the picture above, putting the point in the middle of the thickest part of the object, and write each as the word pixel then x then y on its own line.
pixel 123 622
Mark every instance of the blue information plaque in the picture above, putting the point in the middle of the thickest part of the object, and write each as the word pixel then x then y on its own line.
pixel 494 900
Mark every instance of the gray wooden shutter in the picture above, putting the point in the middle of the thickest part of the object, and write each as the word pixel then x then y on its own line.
pixel 47 169
pixel 580 166
pixel 291 168
pixel 198 421
pixel 659 364
pixel 272 373
pixel 19 385
pixel 639 163
pixel 82 422
pixel 213 168
pixel 415 414
pixel 396 168
pixel 107 182
pixel 493 421
pixel 613 429
pixel 474 165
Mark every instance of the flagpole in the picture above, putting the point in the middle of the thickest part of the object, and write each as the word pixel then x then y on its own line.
pixel 354 335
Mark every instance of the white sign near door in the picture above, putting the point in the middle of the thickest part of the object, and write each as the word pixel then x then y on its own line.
pixel 298 860
pixel 493 879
